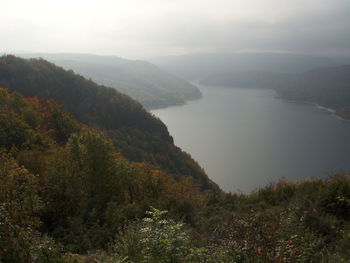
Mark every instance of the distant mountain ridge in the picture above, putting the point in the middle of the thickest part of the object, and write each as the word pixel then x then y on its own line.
pixel 248 79
pixel 141 80
pixel 199 66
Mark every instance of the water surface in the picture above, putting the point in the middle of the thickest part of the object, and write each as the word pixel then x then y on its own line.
pixel 246 138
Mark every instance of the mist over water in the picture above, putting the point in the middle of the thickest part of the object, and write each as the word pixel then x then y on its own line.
pixel 246 138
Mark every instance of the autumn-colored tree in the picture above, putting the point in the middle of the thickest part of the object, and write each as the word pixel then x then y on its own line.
pixel 19 207
pixel 54 120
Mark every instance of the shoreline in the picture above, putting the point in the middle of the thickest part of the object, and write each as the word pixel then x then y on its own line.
pixel 330 110
pixel 165 106
pixel 333 112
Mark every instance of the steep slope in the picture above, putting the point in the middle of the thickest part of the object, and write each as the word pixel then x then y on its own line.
pixel 141 80
pixel 58 176
pixel 137 134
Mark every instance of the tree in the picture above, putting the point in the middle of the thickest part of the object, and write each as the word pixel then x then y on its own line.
pixel 19 207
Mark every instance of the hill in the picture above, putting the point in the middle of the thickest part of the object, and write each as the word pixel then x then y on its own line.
pixel 68 196
pixel 328 87
pixel 137 134
pixel 199 66
pixel 141 80
pixel 58 176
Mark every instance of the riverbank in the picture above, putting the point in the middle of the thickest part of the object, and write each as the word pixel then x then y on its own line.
pixel 166 105
pixel 335 113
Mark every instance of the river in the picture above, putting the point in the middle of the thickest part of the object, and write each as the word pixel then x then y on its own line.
pixel 247 138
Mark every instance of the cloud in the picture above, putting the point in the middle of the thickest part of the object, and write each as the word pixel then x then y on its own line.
pixel 141 28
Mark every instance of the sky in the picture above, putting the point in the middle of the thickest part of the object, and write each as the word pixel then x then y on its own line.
pixel 141 29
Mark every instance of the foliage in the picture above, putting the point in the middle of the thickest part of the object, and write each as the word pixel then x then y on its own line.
pixel 19 207
pixel 87 189
pixel 53 119
pixel 137 134
pixel 156 239
pixel 69 196
pixel 163 240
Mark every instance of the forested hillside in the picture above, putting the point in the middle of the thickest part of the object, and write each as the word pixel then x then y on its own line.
pixel 67 195
pixel 66 180
pixel 141 80
pixel 137 134
pixel 329 87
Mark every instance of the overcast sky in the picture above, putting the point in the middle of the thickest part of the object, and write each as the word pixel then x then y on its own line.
pixel 147 28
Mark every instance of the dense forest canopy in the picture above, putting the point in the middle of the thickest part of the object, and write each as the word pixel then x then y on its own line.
pixel 65 179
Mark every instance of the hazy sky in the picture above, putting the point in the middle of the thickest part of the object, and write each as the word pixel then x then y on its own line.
pixel 146 28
